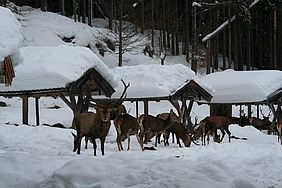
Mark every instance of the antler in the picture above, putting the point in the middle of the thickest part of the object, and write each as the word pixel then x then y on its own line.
pixel 122 97
pixel 264 115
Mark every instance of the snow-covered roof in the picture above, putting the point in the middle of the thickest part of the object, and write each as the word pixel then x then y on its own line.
pixel 154 80
pixel 10 33
pixel 45 68
pixel 55 67
pixel 243 86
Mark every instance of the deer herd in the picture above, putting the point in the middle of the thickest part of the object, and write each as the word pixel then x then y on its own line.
pixel 94 126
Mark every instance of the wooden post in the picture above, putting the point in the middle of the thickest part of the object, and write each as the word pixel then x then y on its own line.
pixel 137 110
pixel 37 110
pixel 146 107
pixel 249 110
pixel 25 110
pixel 258 111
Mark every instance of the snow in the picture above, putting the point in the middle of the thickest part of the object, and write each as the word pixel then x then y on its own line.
pixel 55 67
pixel 154 80
pixel 10 33
pixel 243 86
pixel 41 156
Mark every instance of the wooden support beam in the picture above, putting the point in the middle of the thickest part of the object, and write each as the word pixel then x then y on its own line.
pixel 25 110
pixel 249 110
pixel 189 109
pixel 146 107
pixel 62 96
pixel 137 110
pixel 37 110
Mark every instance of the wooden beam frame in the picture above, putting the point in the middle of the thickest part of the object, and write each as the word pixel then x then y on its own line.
pixel 146 107
pixel 25 109
pixel 37 111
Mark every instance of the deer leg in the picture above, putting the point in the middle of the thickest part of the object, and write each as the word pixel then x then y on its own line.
pixel 159 137
pixel 223 133
pixel 79 144
pixel 94 146
pixel 118 140
pixel 86 141
pixel 156 139
pixel 128 141
pixel 102 145
pixel 229 134
pixel 177 140
pixel 173 137
pixel 139 141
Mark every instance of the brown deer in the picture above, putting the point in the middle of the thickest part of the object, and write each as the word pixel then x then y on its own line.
pixel 115 112
pixel 211 123
pixel 204 131
pixel 127 125
pixel 96 125
pixel 118 111
pixel 180 132
pixel 279 131
pixel 177 129
pixel 174 118
pixel 153 126
pixel 261 124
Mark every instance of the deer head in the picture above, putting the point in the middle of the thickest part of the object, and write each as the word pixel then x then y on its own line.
pixel 265 118
pixel 105 106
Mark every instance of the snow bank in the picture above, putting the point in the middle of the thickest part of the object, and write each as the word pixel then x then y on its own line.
pixel 54 67
pixel 48 29
pixel 10 33
pixel 243 86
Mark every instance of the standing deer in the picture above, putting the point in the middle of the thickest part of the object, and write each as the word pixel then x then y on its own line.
pixel 261 124
pixel 127 125
pixel 211 123
pixel 96 125
pixel 153 126
pixel 166 134
pixel 115 112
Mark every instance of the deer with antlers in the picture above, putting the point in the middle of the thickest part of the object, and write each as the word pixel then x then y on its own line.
pixel 96 125
pixel 210 124
pixel 261 124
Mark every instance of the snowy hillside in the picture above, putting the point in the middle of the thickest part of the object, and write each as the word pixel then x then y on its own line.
pixel 42 156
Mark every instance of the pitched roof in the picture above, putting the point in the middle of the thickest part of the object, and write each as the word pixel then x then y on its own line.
pixel 244 86
pixel 48 69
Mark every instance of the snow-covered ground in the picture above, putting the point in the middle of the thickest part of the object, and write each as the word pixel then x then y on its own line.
pixel 42 156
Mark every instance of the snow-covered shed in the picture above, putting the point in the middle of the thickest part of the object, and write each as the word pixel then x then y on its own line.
pixel 10 40
pixel 68 71
pixel 155 82
pixel 246 88
pixel 59 71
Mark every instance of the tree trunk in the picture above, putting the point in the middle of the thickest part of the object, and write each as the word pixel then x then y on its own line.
pixel 63 7
pixel 142 27
pixel 111 15
pixel 120 35
pixel 83 11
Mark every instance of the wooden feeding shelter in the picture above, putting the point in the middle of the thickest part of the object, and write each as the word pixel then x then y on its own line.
pixel 263 87
pixel 61 71
pixel 174 83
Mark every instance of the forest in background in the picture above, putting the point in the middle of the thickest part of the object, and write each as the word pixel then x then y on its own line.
pixel 237 34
